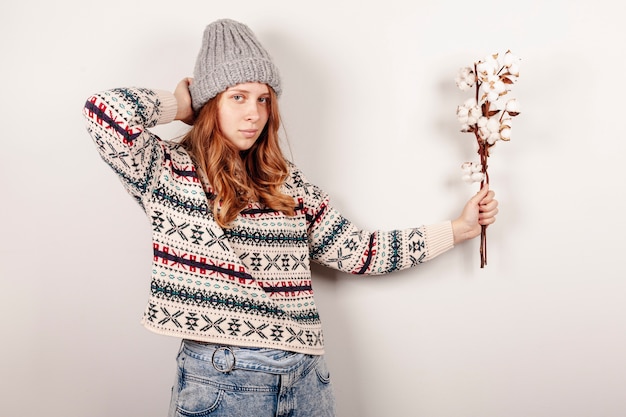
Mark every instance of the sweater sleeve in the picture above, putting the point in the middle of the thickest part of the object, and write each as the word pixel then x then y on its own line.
pixel 337 243
pixel 118 122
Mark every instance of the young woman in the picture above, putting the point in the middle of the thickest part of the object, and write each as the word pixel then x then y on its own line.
pixel 235 226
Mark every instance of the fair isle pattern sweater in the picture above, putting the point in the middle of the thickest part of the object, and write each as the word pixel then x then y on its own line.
pixel 249 284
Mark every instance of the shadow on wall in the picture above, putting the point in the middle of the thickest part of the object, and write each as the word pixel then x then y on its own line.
pixel 339 340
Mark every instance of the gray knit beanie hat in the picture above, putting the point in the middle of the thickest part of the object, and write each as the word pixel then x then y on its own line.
pixel 230 54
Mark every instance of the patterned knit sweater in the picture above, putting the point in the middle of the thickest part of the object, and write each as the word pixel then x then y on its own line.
pixel 249 284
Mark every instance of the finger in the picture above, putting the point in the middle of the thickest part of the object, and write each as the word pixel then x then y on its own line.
pixel 487 216
pixel 488 197
pixel 488 206
pixel 480 195
pixel 491 216
pixel 487 222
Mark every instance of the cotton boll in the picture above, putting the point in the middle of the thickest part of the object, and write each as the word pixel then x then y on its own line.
pixel 476 167
pixel 490 132
pixel 493 125
pixel 470 102
pixel 482 67
pixel 505 134
pixel 512 106
pixel 499 87
pixel 493 88
pixel 511 63
pixel 486 70
pixel 485 66
pixel 493 138
pixel 477 176
pixel 510 59
pixel 474 177
pixel 492 62
pixel 474 114
pixel 472 172
pixel 492 95
pixel 465 79
pixel 505 129
pixel 462 113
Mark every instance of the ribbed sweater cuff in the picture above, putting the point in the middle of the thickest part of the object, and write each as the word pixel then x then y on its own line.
pixel 168 108
pixel 439 238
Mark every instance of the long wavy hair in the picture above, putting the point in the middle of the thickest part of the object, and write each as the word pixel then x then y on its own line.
pixel 237 178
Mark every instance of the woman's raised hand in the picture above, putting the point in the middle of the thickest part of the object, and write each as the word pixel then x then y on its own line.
pixel 185 112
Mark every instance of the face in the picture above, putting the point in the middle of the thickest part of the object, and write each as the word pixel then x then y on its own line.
pixel 243 111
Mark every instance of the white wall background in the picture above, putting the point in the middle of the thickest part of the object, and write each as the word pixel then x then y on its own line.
pixel 368 105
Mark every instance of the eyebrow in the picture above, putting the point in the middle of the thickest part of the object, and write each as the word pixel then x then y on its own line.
pixel 242 90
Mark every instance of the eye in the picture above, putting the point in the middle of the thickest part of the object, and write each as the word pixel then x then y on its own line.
pixel 237 97
pixel 264 100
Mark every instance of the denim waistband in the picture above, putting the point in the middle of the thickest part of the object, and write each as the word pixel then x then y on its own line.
pixel 226 358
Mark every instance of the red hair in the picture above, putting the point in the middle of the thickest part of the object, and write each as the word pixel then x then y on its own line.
pixel 238 178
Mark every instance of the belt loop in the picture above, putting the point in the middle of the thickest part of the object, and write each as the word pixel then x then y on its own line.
pixel 224 349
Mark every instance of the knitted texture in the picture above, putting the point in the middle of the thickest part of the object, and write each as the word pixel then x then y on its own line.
pixel 230 54
pixel 250 284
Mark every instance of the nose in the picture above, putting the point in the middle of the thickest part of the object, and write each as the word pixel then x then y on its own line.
pixel 252 112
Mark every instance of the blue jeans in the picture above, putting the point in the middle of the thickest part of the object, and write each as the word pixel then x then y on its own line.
pixel 214 380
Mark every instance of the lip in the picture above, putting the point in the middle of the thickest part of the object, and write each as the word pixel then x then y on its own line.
pixel 249 133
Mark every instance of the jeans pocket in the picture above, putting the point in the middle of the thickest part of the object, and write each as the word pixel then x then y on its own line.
pixel 197 398
pixel 193 396
pixel 323 374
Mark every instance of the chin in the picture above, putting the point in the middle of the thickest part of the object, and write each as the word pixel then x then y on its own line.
pixel 246 145
pixel 244 148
